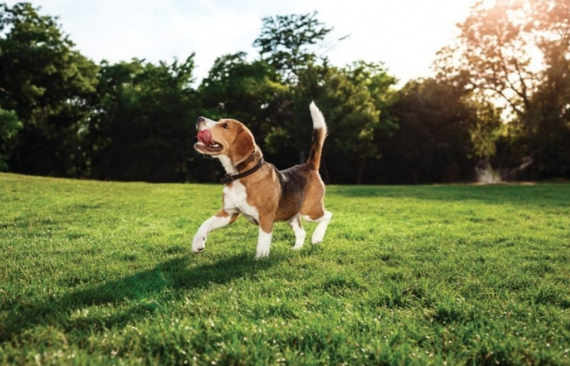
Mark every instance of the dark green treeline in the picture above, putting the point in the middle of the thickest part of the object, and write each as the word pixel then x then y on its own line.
pixel 499 101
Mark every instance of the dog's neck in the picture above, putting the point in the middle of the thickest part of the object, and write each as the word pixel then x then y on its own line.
pixel 227 164
pixel 247 164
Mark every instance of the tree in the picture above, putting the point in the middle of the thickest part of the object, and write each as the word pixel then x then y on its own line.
pixel 142 123
pixel 433 142
pixel 494 54
pixel 45 82
pixel 247 91
pixel 355 101
pixel 9 126
pixel 352 97
pixel 286 42
pixel 551 137
pixel 517 53
pixel 287 46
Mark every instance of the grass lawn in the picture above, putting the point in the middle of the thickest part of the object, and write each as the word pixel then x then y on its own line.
pixel 101 273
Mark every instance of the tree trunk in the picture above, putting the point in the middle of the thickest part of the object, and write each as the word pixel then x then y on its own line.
pixel 413 173
pixel 360 171
pixel 78 171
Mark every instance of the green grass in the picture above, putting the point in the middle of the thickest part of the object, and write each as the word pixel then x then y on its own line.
pixel 102 273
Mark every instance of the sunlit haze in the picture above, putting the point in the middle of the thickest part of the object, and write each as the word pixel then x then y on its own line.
pixel 403 34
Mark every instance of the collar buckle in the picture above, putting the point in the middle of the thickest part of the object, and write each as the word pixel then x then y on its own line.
pixel 227 179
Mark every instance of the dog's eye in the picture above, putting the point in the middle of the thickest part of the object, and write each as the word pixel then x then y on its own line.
pixel 226 126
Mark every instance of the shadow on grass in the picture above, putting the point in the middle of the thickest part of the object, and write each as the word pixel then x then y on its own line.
pixel 172 276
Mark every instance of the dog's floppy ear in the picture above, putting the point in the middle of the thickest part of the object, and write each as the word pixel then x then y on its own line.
pixel 243 146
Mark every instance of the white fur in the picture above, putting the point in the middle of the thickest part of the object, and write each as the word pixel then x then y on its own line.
pixel 263 244
pixel 317 116
pixel 235 202
pixel 209 124
pixel 213 223
pixel 321 228
pixel 300 233
pixel 227 163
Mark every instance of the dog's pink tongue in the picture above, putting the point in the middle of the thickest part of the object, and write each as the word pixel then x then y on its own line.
pixel 205 137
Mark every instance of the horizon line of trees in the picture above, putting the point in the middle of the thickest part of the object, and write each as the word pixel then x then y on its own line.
pixel 500 102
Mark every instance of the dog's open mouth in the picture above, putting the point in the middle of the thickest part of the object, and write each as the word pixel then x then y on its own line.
pixel 205 142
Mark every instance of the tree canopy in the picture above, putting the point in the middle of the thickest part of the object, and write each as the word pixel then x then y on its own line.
pixel 500 96
pixel 517 54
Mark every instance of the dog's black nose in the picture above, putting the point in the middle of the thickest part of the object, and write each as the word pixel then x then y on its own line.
pixel 201 119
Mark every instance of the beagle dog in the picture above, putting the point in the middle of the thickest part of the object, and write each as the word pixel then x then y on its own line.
pixel 257 190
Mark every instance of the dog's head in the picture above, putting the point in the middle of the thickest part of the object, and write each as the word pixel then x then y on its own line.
pixel 226 137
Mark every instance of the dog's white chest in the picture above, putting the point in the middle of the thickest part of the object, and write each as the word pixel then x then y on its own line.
pixel 235 201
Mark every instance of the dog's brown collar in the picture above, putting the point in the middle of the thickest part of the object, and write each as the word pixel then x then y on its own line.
pixel 231 177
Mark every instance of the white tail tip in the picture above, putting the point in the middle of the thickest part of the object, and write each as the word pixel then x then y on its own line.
pixel 317 116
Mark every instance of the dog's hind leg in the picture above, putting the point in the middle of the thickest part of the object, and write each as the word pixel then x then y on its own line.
pixel 321 228
pixel 323 222
pixel 300 234
pixel 220 220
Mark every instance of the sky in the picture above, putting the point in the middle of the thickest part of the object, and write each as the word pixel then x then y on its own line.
pixel 404 34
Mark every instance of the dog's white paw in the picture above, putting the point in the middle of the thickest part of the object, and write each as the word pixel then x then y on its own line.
pixel 318 236
pixel 262 254
pixel 263 245
pixel 199 243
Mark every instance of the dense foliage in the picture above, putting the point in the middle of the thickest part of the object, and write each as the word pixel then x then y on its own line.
pixel 501 98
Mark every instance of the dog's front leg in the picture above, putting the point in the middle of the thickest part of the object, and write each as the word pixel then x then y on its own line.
pixel 264 240
pixel 219 220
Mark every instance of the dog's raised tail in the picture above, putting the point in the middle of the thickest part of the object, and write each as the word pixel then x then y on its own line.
pixel 319 134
